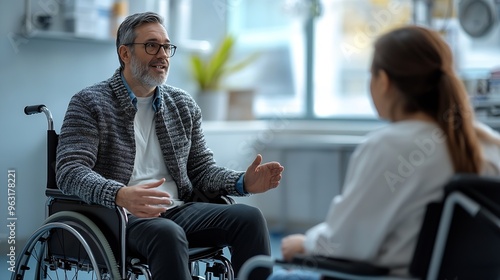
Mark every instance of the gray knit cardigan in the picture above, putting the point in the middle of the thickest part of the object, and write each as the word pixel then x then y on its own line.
pixel 96 150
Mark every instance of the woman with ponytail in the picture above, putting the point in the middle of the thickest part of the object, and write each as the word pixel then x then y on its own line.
pixel 399 169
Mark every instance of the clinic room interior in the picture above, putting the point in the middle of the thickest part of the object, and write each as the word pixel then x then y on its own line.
pixel 301 96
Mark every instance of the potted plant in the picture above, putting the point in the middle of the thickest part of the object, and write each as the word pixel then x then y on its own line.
pixel 209 74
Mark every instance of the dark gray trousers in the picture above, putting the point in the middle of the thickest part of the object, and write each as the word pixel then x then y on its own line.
pixel 163 242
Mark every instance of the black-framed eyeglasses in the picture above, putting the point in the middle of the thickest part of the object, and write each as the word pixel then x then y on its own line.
pixel 153 48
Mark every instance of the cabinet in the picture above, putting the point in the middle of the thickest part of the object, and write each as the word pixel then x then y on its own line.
pixel 96 21
pixel 81 20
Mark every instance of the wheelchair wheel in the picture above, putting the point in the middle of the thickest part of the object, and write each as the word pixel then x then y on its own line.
pixel 67 246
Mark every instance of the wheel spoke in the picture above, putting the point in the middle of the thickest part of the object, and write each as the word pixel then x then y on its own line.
pixel 51 252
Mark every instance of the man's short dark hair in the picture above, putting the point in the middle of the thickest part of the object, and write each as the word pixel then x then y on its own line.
pixel 126 32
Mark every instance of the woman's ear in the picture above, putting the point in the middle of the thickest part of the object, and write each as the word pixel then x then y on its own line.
pixel 384 81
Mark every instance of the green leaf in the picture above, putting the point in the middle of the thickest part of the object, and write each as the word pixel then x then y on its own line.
pixel 209 73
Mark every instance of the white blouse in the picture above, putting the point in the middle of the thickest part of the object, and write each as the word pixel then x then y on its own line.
pixel 390 179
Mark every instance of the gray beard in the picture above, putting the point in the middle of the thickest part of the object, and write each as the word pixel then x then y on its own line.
pixel 140 72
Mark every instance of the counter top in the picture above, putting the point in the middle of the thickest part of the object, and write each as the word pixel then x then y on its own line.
pixel 293 127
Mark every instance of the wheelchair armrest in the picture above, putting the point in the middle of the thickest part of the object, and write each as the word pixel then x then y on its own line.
pixel 224 199
pixel 57 193
pixel 339 265
pixel 197 196
pixel 210 197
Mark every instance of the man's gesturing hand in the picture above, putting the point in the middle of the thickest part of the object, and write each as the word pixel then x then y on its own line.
pixel 142 200
pixel 262 177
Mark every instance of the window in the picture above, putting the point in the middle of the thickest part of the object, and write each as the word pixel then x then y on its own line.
pixel 274 29
pixel 316 54
pixel 343 39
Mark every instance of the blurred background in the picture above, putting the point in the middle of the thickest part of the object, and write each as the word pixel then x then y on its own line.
pixel 301 98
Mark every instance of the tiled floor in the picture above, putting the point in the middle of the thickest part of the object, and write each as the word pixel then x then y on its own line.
pixel 275 252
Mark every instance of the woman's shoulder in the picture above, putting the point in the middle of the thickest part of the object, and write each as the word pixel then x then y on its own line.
pixel 490 144
pixel 401 132
pixel 401 137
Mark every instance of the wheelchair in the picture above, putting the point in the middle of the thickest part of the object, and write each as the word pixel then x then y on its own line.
pixel 459 239
pixel 87 241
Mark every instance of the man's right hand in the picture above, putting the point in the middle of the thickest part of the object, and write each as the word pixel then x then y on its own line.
pixel 142 200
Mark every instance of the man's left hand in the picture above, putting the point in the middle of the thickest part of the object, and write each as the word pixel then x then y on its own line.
pixel 260 178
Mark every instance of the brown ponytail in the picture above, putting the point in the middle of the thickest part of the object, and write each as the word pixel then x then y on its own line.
pixel 420 64
pixel 456 118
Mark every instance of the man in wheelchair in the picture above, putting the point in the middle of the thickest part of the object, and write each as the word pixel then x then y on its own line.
pixel 135 142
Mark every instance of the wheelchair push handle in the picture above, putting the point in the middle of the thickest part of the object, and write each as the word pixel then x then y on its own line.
pixel 35 109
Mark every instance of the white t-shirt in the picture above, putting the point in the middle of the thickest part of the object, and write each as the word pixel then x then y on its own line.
pixel 390 179
pixel 149 164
